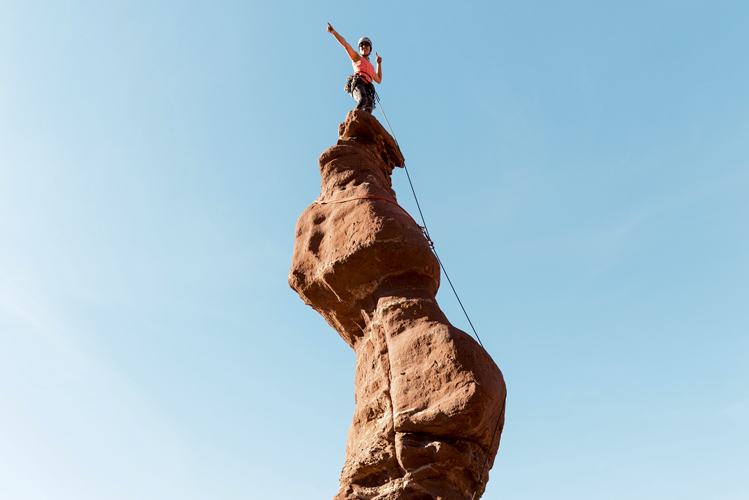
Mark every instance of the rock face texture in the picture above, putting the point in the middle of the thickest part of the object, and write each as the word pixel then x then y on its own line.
pixel 428 397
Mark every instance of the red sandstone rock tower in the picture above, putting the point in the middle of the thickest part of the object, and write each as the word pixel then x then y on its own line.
pixel 428 397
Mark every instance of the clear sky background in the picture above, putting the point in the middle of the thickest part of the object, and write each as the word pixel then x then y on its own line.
pixel 583 167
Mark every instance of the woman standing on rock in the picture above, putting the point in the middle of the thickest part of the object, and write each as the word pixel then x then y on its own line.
pixel 359 85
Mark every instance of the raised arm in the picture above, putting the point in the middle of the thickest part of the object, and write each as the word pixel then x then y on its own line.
pixel 349 49
pixel 378 75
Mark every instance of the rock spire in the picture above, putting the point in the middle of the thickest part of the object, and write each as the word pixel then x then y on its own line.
pixel 428 397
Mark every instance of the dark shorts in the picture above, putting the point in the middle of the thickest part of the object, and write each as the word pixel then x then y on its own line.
pixel 363 93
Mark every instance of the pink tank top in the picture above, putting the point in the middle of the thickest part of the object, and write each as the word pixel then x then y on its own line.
pixel 364 67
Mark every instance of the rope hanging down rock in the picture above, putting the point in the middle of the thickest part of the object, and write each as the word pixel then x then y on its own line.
pixel 442 266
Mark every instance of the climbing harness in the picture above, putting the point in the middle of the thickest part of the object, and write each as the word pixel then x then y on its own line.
pixel 425 231
pixel 352 81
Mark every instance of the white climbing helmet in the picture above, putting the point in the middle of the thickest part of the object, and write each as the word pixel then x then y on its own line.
pixel 365 40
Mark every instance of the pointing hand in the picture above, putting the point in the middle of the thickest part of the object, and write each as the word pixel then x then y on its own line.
pixel 379 59
pixel 330 28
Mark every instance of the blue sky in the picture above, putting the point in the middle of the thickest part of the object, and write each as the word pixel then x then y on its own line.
pixel 583 168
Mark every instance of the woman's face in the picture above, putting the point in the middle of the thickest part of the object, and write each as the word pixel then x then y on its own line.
pixel 365 49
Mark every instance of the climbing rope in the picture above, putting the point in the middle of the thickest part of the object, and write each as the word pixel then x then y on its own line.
pixel 444 271
pixel 426 231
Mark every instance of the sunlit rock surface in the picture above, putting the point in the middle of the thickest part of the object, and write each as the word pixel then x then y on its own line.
pixel 428 397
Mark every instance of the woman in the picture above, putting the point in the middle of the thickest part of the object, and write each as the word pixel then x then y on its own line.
pixel 360 84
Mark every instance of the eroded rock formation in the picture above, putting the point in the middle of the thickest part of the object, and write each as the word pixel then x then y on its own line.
pixel 428 397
